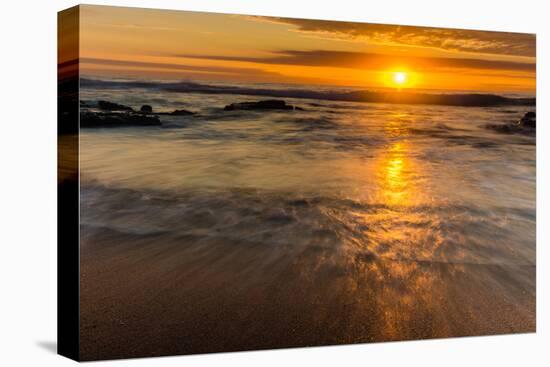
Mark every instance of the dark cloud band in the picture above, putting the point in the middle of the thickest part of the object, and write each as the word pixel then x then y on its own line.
pixel 370 61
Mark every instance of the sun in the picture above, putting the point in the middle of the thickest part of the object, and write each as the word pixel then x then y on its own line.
pixel 399 77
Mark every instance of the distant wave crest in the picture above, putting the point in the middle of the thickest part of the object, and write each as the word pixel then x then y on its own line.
pixel 402 97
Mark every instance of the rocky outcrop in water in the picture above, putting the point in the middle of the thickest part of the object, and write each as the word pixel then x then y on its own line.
pixel 176 113
pixel 111 119
pixel 111 114
pixel 146 109
pixel 111 106
pixel 528 120
pixel 270 104
pixel 526 125
pixel 181 113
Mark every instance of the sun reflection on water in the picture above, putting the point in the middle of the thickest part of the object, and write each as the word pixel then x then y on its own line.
pixel 395 181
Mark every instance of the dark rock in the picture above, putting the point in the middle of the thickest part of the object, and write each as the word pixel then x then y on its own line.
pixel 511 128
pixel 176 113
pixel 525 126
pixel 532 123
pixel 100 119
pixel 146 109
pixel 181 113
pixel 270 104
pixel 528 120
pixel 111 106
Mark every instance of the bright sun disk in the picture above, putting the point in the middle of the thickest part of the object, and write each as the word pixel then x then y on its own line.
pixel 399 77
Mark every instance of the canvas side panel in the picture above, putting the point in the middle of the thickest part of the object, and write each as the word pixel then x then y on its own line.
pixel 68 183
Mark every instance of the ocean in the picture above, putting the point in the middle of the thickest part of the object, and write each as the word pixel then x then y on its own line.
pixel 343 222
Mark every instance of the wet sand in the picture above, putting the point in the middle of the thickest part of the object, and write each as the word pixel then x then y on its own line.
pixel 176 295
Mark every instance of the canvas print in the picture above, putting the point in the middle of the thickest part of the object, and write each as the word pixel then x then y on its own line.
pixel 236 182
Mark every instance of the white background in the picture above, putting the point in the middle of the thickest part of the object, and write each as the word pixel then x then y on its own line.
pixel 28 183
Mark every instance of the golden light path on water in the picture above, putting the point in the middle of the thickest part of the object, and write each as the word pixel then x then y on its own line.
pixel 397 174
pixel 396 186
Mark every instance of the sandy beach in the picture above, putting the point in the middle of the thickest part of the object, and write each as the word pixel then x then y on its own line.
pixel 141 298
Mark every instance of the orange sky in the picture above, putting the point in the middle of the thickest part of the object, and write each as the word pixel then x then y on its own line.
pixel 161 44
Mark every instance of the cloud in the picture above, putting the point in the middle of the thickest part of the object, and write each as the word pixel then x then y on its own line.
pixel 175 67
pixel 370 61
pixel 498 43
pixel 175 70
